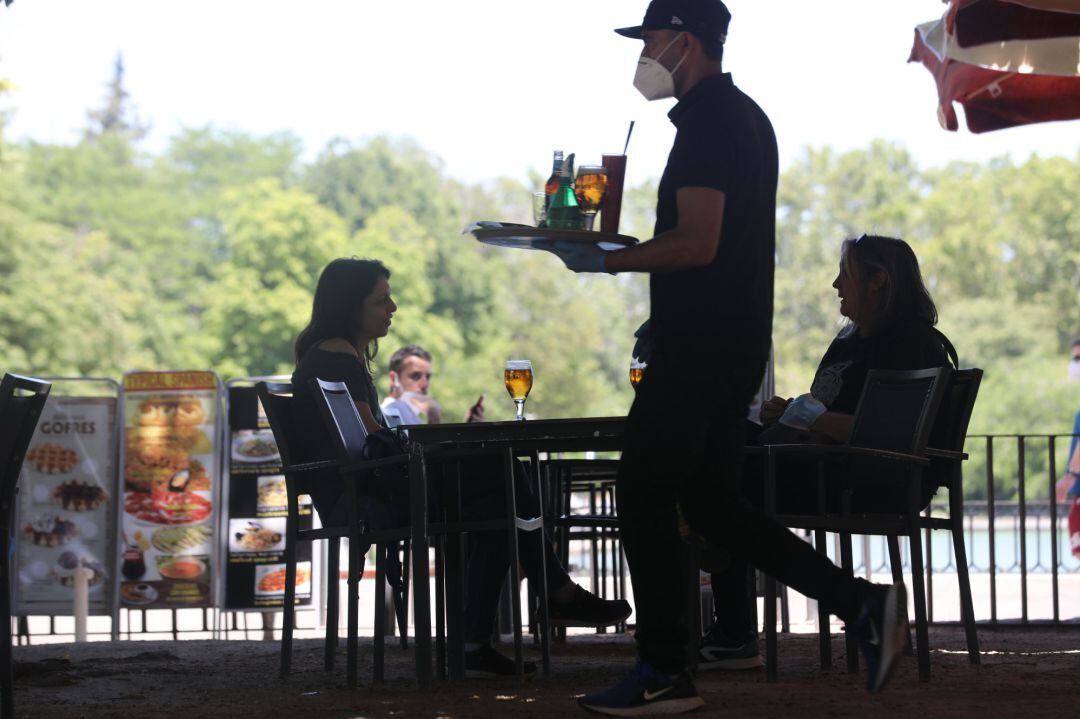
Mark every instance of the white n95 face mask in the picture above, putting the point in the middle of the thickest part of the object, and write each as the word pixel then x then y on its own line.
pixel 652 79
pixel 1074 371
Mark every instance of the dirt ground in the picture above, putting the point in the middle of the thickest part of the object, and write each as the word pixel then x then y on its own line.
pixel 1025 672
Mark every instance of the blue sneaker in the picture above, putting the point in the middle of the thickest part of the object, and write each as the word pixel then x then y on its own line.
pixel 719 651
pixel 644 692
pixel 882 631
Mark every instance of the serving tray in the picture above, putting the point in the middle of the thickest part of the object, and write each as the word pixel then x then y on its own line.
pixel 506 234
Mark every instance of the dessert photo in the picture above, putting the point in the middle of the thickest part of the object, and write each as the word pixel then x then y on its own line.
pixel 50 530
pixel 79 495
pixel 49 458
pixel 67 564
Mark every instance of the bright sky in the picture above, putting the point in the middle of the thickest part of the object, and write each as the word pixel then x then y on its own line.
pixel 490 86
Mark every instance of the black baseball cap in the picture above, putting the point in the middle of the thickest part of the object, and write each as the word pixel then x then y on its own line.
pixel 708 19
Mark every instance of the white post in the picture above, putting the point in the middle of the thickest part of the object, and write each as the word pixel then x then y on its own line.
pixel 82 601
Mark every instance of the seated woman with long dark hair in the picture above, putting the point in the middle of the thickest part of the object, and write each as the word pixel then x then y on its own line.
pixel 890 326
pixel 352 309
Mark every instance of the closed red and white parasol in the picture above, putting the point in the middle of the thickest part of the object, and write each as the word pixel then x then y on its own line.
pixel 1008 62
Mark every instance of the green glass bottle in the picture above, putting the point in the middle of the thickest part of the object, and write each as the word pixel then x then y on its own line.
pixel 552 183
pixel 563 211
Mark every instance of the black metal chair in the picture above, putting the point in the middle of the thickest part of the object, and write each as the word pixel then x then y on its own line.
pixel 276 399
pixel 598 525
pixel 945 450
pixel 21 402
pixel 886 452
pixel 447 527
pixel 946 453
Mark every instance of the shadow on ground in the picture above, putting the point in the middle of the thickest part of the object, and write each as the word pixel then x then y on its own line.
pixel 1025 672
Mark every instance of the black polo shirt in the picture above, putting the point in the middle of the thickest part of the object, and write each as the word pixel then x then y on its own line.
pixel 725 142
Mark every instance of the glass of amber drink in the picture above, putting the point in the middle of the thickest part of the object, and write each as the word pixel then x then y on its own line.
pixel 519 380
pixel 637 373
pixel 589 189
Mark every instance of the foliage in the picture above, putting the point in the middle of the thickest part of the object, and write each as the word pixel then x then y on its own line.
pixel 115 116
pixel 206 255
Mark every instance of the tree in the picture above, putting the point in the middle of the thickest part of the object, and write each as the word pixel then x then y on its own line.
pixel 277 240
pixel 356 180
pixel 207 161
pixel 206 255
pixel 116 116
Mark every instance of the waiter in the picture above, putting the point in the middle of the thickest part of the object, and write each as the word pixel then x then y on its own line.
pixel 710 266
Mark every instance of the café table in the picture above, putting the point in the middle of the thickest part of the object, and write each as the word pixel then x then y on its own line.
pixel 528 437
pixel 597 434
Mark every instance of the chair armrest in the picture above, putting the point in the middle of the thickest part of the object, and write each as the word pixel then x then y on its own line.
pixel 357 467
pixel 945 454
pixel 398 460
pixel 309 466
pixel 440 452
pixel 840 450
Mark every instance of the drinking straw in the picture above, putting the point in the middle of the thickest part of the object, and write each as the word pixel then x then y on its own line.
pixel 628 134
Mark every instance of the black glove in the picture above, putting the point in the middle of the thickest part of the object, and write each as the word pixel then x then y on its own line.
pixel 643 348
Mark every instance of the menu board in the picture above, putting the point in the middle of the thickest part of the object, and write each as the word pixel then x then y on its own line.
pixel 65 505
pixel 257 508
pixel 170 465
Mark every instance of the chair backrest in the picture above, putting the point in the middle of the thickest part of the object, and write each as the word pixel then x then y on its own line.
pixel 951 423
pixel 21 402
pixel 276 399
pixel 897 409
pixel 342 419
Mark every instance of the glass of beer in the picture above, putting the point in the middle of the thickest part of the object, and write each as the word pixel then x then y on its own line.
pixel 589 189
pixel 518 378
pixel 637 373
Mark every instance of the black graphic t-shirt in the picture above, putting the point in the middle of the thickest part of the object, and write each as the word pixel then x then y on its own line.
pixel 841 375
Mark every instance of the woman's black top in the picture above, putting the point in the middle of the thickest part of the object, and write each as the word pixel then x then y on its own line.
pixel 312 437
pixel 905 345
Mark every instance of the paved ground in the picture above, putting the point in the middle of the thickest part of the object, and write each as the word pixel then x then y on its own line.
pixel 1031 672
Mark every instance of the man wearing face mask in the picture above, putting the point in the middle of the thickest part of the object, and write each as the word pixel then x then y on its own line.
pixel 410 379
pixel 710 264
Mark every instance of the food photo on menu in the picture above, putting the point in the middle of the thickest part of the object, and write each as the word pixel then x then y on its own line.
pixel 63 508
pixel 258 536
pixel 163 565
pixel 257 510
pixel 255 446
pixel 168 502
pixel 270 581
pixel 273 495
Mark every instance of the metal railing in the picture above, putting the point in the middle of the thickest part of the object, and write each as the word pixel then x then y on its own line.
pixel 1015 534
pixel 1010 539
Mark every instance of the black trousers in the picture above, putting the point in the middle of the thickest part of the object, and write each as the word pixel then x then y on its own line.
pixel 731 581
pixel 483 496
pixel 797 493
pixel 488 557
pixel 686 450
